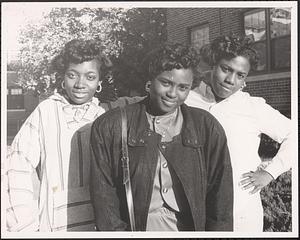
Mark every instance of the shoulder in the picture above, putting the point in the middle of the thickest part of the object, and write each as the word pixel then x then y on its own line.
pixel 205 121
pixel 121 102
pixel 113 116
pixel 253 100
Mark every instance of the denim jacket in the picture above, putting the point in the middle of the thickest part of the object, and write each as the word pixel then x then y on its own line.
pixel 200 160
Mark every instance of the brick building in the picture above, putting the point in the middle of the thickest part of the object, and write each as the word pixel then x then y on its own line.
pixel 19 105
pixel 271 28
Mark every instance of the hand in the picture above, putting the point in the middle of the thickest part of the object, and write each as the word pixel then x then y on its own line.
pixel 258 179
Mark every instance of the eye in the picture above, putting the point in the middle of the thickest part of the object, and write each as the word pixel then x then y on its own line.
pixel 241 76
pixel 71 75
pixel 225 68
pixel 165 83
pixel 91 77
pixel 184 88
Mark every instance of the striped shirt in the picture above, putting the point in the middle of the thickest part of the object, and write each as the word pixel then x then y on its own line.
pixel 54 143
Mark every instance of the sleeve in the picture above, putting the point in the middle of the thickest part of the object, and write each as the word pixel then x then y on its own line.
pixel 103 184
pixel 22 160
pixel 219 198
pixel 278 127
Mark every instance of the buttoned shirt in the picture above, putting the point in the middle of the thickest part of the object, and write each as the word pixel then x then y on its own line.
pixel 163 204
pixel 244 118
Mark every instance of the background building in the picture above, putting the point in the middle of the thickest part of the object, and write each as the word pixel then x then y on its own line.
pixel 19 105
pixel 271 28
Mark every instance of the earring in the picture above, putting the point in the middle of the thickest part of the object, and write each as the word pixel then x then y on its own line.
pixel 147 86
pixel 100 88
pixel 244 85
pixel 63 85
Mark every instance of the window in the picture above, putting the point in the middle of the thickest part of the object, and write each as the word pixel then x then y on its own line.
pixel 16 91
pixel 199 36
pixel 271 29
pixel 15 98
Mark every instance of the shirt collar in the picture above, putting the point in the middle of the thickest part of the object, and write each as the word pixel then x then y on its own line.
pixel 205 92
pixel 87 111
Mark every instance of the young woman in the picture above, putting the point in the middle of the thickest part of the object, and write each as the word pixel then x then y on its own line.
pixel 179 162
pixel 54 141
pixel 244 119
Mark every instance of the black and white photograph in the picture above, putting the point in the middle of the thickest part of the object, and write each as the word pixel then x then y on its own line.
pixel 149 119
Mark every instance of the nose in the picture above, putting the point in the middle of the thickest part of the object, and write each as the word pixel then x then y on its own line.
pixel 171 93
pixel 230 78
pixel 80 82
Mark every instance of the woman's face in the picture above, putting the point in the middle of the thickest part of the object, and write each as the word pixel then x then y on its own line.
pixel 81 81
pixel 229 76
pixel 169 90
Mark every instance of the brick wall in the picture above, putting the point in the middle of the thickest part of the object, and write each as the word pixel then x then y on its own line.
pixel 276 93
pixel 219 20
pixel 223 21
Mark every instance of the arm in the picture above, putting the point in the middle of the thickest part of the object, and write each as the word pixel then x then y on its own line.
pixel 219 198
pixel 278 127
pixel 22 209
pixel 103 184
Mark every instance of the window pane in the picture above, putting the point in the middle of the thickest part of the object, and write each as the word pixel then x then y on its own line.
pixel 281 52
pixel 200 36
pixel 15 102
pixel 16 91
pixel 260 47
pixel 280 22
pixel 255 24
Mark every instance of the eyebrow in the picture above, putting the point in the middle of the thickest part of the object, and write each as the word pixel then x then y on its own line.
pixel 227 66
pixel 78 72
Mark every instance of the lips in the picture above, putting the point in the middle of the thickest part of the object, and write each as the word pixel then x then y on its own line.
pixel 169 103
pixel 227 88
pixel 79 94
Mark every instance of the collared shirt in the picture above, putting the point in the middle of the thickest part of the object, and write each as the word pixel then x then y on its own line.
pixel 54 139
pixel 163 204
pixel 244 118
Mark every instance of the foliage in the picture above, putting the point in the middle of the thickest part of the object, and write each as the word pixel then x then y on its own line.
pixel 126 34
pixel 145 30
pixel 277 196
pixel 276 200
pixel 41 41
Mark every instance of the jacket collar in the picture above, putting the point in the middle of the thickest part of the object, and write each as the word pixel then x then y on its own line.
pixel 140 128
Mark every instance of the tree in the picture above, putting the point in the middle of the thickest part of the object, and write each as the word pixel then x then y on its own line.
pixel 40 42
pixel 126 34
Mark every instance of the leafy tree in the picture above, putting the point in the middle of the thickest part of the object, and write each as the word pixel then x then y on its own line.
pixel 41 41
pixel 126 34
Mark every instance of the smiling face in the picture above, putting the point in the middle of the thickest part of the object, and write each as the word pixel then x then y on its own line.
pixel 229 76
pixel 81 81
pixel 169 90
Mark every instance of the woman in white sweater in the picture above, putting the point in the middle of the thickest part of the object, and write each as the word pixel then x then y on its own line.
pixel 244 119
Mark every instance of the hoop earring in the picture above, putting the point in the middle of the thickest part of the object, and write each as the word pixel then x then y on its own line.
pixel 147 86
pixel 244 85
pixel 100 88
pixel 63 85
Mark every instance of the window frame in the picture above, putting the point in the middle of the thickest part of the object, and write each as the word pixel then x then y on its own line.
pixel 268 40
pixel 197 27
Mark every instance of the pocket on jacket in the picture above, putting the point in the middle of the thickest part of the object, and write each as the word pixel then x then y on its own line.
pixel 73 211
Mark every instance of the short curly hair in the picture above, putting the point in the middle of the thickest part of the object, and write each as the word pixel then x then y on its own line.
pixel 167 57
pixel 78 51
pixel 228 47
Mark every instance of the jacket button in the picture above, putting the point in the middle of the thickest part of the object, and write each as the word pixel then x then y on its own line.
pixel 165 190
pixel 163 146
pixel 165 164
